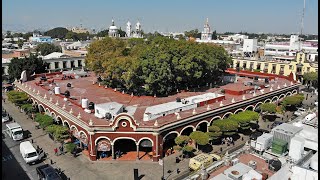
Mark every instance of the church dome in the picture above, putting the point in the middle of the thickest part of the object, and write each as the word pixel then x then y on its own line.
pixel 113 28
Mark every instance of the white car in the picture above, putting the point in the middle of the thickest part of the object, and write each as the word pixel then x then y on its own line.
pixel 5 118
pixel 299 112
pixel 316 103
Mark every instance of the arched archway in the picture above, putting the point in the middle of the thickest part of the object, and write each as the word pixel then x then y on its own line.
pixel 202 126
pixel 103 147
pixel 257 105
pixel 41 108
pixel 214 118
pixel 250 108
pixel 168 141
pixel 65 123
pixel 275 99
pixel 125 148
pixel 267 100
pixel 48 112
pixel 145 145
pixel 226 115
pixel 238 110
pixel 186 131
pixel 288 94
pixel 294 91
pixel 282 96
pixel 59 120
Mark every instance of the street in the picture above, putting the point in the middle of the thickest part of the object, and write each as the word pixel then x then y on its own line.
pixel 13 165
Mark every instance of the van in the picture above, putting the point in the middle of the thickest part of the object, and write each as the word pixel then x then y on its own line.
pixel 29 153
pixel 309 117
pixel 196 162
pixel 15 131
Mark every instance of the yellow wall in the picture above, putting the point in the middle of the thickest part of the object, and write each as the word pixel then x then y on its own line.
pixel 287 71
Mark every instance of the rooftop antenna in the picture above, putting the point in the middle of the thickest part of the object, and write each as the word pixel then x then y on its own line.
pixel 304 7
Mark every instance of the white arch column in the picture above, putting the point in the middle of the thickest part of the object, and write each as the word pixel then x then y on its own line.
pixel 137 144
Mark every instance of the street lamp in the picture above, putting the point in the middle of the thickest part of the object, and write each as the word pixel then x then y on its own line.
pixel 162 146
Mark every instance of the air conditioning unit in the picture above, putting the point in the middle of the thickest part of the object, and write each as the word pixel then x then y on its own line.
pixel 235 161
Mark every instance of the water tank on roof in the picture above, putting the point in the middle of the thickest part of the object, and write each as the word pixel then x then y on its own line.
pixel 67 94
pixel 57 90
pixel 108 116
pixel 84 103
pixel 91 106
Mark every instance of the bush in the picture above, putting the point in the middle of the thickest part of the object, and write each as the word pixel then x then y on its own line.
pixel 268 107
pixel 227 126
pixel 177 147
pixel 18 98
pixel 43 120
pixel 28 108
pixel 69 147
pixel 182 140
pixel 187 149
pixel 59 133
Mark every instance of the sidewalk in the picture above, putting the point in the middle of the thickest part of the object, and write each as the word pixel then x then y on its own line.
pixel 82 168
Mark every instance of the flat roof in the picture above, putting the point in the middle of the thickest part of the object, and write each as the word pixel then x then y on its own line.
pixel 286 128
pixel 84 87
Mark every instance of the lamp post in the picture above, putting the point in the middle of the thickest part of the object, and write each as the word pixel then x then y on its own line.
pixel 162 147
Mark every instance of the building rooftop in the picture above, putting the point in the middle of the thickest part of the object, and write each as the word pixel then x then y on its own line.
pixel 99 94
pixel 286 128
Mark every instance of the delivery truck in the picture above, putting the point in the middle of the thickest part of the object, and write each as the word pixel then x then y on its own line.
pixel 15 131
pixel 196 162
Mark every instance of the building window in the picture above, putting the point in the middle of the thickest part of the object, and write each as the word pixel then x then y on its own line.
pixel 274 68
pixel 72 64
pixel 56 65
pixel 79 63
pixel 64 64
pixel 251 66
pixel 290 67
pixel 244 66
pixel 259 66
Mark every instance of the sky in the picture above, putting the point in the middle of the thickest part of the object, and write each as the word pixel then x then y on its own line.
pixel 255 16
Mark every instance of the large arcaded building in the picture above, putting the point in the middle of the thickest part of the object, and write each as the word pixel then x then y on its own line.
pixel 145 124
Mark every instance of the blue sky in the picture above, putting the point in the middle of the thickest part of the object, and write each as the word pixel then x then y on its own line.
pixel 274 16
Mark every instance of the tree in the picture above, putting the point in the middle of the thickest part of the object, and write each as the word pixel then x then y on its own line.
pixel 59 133
pixel 28 108
pixel 268 108
pixel 31 64
pixel 46 48
pixel 214 132
pixel 311 78
pixel 58 32
pixel 103 33
pixel 293 100
pixel 200 138
pixel 43 120
pixel 122 33
pixel 214 35
pixel 182 140
pixel 27 35
pixel 20 43
pixel 244 118
pixel 227 126
pixel 70 147
pixel 18 98
pixel 193 33
pixel 157 66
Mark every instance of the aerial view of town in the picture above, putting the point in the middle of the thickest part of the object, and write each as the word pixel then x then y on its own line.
pixel 160 90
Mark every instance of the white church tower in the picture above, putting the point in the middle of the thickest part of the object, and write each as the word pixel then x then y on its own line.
pixel 113 30
pixel 129 30
pixel 206 34
pixel 138 30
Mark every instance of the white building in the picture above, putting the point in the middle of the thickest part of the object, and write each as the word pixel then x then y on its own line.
pixel 206 34
pixel 113 30
pixel 129 29
pixel 284 48
pixel 138 31
pixel 250 45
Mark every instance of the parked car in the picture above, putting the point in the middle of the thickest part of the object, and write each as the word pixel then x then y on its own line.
pixel 5 117
pixel 300 111
pixel 274 124
pixel 47 172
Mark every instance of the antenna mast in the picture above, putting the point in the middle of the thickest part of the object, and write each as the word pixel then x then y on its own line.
pixel 304 7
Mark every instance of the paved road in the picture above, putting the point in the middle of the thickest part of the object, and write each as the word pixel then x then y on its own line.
pixel 11 168
pixel 13 164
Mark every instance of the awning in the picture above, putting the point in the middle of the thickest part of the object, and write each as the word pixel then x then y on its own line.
pixel 103 145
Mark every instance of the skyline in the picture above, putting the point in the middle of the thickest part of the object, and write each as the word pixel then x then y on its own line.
pixel 164 16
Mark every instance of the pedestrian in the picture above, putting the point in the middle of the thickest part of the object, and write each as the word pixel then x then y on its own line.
pixel 241 138
pixel 177 160
pixel 268 126
pixel 55 151
pixel 4 100
pixel 220 149
pixel 178 171
pixel 171 150
pixel 287 116
pixel 38 147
